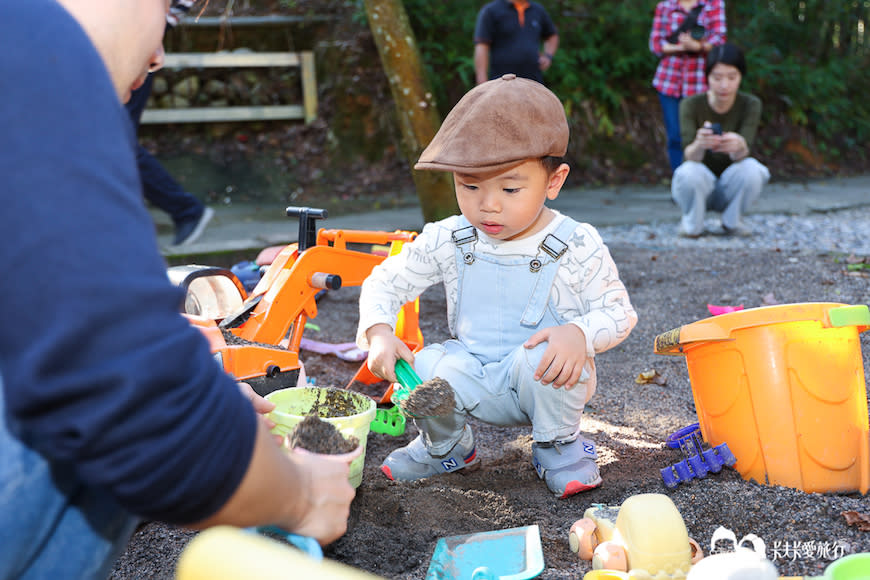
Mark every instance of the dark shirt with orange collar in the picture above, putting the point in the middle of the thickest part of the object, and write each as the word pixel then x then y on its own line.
pixel 514 32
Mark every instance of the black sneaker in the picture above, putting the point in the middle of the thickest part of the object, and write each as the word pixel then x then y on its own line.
pixel 189 230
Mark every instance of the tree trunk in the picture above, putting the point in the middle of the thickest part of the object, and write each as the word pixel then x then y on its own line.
pixel 415 106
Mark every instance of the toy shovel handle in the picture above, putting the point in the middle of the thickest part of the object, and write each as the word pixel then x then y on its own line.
pixel 406 375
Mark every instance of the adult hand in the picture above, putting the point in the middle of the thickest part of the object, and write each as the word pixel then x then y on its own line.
pixel 564 358
pixel 689 44
pixel 544 61
pixel 385 348
pixel 706 139
pixel 325 496
pixel 669 48
pixel 734 145
pixel 262 406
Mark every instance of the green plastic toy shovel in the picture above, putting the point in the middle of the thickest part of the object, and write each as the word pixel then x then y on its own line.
pixel 392 421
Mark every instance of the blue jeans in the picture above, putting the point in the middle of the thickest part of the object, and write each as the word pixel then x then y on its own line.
pixel 671 111
pixel 158 186
pixel 52 525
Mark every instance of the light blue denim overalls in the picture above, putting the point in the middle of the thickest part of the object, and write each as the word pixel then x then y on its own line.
pixel 51 524
pixel 503 300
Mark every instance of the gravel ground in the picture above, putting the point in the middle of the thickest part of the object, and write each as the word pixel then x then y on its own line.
pixel 843 232
pixel 393 527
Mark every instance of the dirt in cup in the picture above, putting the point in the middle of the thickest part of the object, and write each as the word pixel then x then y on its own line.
pixel 317 436
pixel 429 399
pixel 334 403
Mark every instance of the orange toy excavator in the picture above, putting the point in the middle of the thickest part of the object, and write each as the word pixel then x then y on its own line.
pixel 256 338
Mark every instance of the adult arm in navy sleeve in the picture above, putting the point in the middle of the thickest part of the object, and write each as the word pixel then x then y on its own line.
pixel 100 371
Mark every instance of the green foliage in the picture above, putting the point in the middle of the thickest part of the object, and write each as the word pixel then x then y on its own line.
pixel 806 58
pixel 445 32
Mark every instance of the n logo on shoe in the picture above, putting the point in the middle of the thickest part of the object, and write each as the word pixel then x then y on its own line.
pixel 449 464
pixel 588 447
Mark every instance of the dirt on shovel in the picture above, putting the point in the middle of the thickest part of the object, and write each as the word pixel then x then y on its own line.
pixel 429 399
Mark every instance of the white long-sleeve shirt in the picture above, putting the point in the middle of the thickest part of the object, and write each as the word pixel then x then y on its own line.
pixel 587 290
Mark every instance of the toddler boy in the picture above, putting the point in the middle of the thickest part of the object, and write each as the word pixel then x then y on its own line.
pixel 532 295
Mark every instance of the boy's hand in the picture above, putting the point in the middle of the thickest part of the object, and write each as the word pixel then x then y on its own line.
pixel 385 348
pixel 564 358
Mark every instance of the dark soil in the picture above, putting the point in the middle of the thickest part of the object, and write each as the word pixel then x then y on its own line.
pixel 429 399
pixel 393 527
pixel 317 436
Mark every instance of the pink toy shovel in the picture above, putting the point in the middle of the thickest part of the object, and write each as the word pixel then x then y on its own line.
pixel 345 350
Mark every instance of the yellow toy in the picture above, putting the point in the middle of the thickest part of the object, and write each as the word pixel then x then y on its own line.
pixel 227 553
pixel 645 538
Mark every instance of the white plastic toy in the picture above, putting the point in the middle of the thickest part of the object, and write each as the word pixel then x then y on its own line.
pixel 645 537
pixel 743 564
pixel 743 560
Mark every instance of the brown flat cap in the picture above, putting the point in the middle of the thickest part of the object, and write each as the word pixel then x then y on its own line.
pixel 498 125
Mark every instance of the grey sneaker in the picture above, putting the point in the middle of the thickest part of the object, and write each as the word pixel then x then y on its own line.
pixel 739 230
pixel 567 468
pixel 683 233
pixel 413 461
pixel 188 231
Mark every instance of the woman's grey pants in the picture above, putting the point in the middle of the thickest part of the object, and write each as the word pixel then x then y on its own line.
pixel 696 189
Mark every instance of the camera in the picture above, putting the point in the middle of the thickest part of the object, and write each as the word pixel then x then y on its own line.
pixel 716 128
pixel 690 25
pixel 696 31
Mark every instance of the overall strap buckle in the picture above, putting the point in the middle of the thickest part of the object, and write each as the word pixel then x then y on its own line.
pixel 462 236
pixel 553 247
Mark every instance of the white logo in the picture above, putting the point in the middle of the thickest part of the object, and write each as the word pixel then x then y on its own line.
pixel 756 544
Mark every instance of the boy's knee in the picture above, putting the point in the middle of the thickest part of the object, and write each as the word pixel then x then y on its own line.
pixel 426 361
pixel 532 356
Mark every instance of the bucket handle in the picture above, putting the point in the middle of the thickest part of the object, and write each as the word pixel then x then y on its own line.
pixel 673 341
pixel 857 315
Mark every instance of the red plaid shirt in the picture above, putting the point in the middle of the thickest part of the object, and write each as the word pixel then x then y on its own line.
pixel 682 74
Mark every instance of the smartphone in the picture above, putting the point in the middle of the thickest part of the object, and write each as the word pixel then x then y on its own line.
pixel 717 128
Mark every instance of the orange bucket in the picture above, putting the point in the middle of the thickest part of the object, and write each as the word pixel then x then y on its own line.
pixel 784 387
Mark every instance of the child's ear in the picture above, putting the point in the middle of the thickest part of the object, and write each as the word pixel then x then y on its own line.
pixel 557 180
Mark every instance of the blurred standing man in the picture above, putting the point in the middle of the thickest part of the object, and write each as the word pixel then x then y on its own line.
pixel 513 37
pixel 112 406
pixel 189 215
